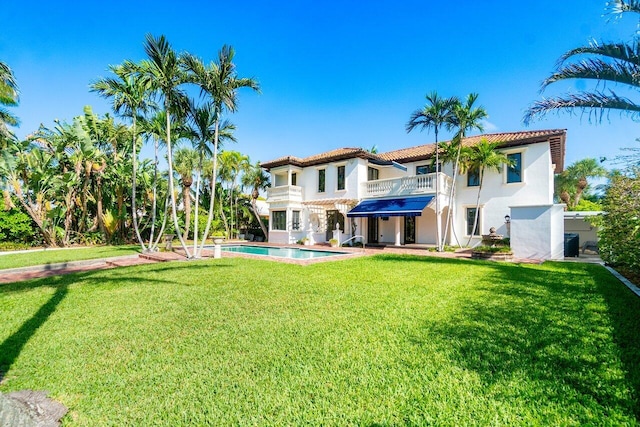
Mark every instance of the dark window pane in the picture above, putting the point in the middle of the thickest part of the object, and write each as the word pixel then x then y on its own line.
pixel 514 172
pixel 372 174
pixel 473 178
pixel 341 178
pixel 279 220
pixel 295 220
pixel 294 179
pixel 321 173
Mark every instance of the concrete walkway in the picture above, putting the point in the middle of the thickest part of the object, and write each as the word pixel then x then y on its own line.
pixel 39 271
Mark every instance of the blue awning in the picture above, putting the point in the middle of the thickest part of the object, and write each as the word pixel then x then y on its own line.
pixel 406 206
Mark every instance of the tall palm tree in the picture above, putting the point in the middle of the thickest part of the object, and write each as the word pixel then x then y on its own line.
pixel 466 117
pixel 163 72
pixel 231 164
pixel 580 171
pixel 257 179
pixel 9 96
pixel 130 97
pixel 202 123
pixel 481 157
pixel 616 64
pixel 185 163
pixel 219 81
pixel 438 112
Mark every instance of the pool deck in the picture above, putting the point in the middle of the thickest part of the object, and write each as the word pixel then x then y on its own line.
pixel 41 271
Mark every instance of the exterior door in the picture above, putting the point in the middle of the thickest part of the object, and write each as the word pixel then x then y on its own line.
pixel 409 229
pixel 372 230
pixel 334 217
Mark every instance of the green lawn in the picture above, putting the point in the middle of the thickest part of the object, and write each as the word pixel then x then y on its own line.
pixel 51 256
pixel 386 340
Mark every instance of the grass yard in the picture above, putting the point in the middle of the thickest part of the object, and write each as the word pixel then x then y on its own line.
pixel 56 255
pixel 385 340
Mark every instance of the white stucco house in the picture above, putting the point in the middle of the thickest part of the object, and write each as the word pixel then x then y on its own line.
pixel 390 198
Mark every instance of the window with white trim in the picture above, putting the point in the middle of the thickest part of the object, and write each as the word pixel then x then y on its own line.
pixel 321 180
pixel 279 220
pixel 295 220
pixel 341 177
pixel 514 170
pixel 470 218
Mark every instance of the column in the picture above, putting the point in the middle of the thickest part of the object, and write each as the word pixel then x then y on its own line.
pixel 397 220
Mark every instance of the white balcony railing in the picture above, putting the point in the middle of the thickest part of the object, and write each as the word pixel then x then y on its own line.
pixel 406 185
pixel 284 193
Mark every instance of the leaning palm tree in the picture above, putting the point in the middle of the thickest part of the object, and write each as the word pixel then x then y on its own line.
pixel 616 64
pixel 481 157
pixel 466 117
pixel 130 97
pixel 438 112
pixel 8 97
pixel 163 72
pixel 219 81
pixel 257 179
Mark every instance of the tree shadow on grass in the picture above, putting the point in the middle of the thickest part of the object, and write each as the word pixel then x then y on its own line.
pixel 547 327
pixel 12 346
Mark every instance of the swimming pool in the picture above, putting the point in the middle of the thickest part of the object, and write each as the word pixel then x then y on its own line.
pixel 281 252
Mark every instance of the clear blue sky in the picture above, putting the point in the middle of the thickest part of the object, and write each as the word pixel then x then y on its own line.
pixel 333 74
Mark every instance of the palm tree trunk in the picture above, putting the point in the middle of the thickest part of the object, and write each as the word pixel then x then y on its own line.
pixel 257 214
pixel 452 191
pixel 134 166
pixel 154 202
pixel 475 220
pixel 186 200
pixel 438 219
pixel 100 213
pixel 174 212
pixel 213 186
pixel 197 206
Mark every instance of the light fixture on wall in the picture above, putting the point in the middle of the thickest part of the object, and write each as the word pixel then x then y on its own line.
pixel 507 219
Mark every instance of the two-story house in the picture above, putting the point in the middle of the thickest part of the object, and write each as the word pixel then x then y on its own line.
pixel 390 198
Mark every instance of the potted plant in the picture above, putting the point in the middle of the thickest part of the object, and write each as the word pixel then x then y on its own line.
pixel 305 241
pixel 333 243
pixel 217 237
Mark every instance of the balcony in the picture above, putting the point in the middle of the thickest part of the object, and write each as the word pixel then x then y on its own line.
pixel 284 193
pixel 406 186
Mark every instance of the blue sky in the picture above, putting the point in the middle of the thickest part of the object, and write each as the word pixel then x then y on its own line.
pixel 333 74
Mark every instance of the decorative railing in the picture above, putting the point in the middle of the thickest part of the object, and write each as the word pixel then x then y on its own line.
pixel 406 185
pixel 284 193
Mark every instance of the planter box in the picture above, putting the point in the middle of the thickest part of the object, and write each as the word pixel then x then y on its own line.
pixel 492 256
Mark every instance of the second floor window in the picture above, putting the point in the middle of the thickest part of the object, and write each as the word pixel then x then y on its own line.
pixel 372 174
pixel 321 179
pixel 514 172
pixel 294 179
pixel 341 177
pixel 473 178
pixel 279 220
pixel 425 169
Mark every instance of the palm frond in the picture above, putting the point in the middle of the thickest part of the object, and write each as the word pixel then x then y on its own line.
pixel 595 69
pixel 618 7
pixel 595 104
pixel 627 52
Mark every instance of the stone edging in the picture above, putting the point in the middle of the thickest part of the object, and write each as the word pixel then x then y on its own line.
pixel 624 280
pixel 64 265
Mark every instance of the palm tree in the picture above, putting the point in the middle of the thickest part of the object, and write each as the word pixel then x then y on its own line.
pixel 580 171
pixel 481 157
pixel 219 80
pixel 201 132
pixel 564 186
pixel 435 114
pixel 614 64
pixel 185 162
pixel 130 97
pixel 256 178
pixel 163 72
pixel 8 97
pixel 231 164
pixel 466 117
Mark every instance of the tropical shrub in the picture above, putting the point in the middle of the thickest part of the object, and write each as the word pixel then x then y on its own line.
pixel 17 227
pixel 620 227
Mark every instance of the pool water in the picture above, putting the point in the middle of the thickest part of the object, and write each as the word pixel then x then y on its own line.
pixel 292 253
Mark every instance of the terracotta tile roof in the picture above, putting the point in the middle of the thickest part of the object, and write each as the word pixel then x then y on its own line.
pixel 556 138
pixel 318 159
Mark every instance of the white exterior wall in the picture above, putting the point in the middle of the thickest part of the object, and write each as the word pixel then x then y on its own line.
pixel 498 196
pixel 537 232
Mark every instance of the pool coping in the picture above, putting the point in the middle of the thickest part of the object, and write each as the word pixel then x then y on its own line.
pixel 341 253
